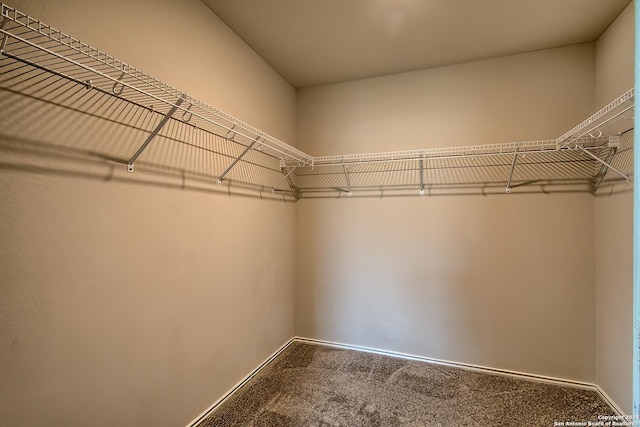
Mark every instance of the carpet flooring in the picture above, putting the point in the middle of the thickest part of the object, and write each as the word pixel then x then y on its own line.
pixel 318 385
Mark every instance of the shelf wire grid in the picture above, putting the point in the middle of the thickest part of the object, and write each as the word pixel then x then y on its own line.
pixel 621 159
pixel 109 116
pixel 114 107
pixel 562 166
pixel 608 120
pixel 563 162
pixel 40 45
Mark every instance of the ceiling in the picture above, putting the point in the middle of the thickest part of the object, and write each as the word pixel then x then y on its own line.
pixel 314 42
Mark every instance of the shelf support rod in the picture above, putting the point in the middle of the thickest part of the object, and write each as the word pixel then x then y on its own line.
pixel 235 162
pixel 513 167
pixel 5 36
pixel 603 169
pixel 346 177
pixel 301 157
pixel 598 159
pixel 153 134
pixel 275 187
pixel 422 177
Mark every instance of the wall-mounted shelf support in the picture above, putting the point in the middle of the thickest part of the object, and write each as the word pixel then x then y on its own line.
pixel 603 169
pixel 5 36
pixel 41 62
pixel 187 115
pixel 513 167
pixel 610 113
pixel 118 87
pixel 346 177
pixel 422 177
pixel 235 162
pixel 153 134
pixel 598 159
pixel 285 177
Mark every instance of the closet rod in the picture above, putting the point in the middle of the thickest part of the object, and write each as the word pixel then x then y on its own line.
pixel 35 44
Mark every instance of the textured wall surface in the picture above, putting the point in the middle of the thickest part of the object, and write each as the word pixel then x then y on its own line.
pixel 134 299
pixel 504 281
pixel 614 225
pixel 532 96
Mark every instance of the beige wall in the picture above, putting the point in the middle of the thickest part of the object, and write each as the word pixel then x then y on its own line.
pixel 614 58
pixel 497 281
pixel 504 281
pixel 614 225
pixel 124 302
pixel 537 95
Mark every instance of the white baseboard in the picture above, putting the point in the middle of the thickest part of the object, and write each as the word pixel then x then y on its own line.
pixel 239 385
pixel 610 401
pixel 477 368
pixel 467 366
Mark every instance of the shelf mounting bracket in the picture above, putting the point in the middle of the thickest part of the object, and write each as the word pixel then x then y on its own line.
pixel 153 134
pixel 598 159
pixel 118 87
pixel 285 177
pixel 346 177
pixel 574 139
pixel 235 162
pixel 5 35
pixel 513 167
pixel 422 177
pixel 603 169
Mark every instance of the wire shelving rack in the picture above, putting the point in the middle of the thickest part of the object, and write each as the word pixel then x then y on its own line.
pixel 44 64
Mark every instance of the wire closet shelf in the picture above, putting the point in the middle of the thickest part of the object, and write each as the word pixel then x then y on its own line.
pixel 42 62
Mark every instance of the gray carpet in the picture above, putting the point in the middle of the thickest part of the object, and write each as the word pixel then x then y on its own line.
pixel 317 385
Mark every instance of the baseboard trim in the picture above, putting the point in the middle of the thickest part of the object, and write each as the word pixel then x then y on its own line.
pixel 477 368
pixel 610 401
pixel 467 366
pixel 239 385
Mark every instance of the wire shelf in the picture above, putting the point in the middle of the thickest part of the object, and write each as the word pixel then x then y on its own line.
pixel 35 43
pixel 73 96
pixel 610 120
pixel 489 171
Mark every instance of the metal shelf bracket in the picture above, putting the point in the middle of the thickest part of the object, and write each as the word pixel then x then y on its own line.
pixel 604 163
pixel 603 169
pixel 422 177
pixel 235 162
pixel 285 177
pixel 346 177
pixel 5 36
pixel 153 134
pixel 513 167
pixel 35 56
